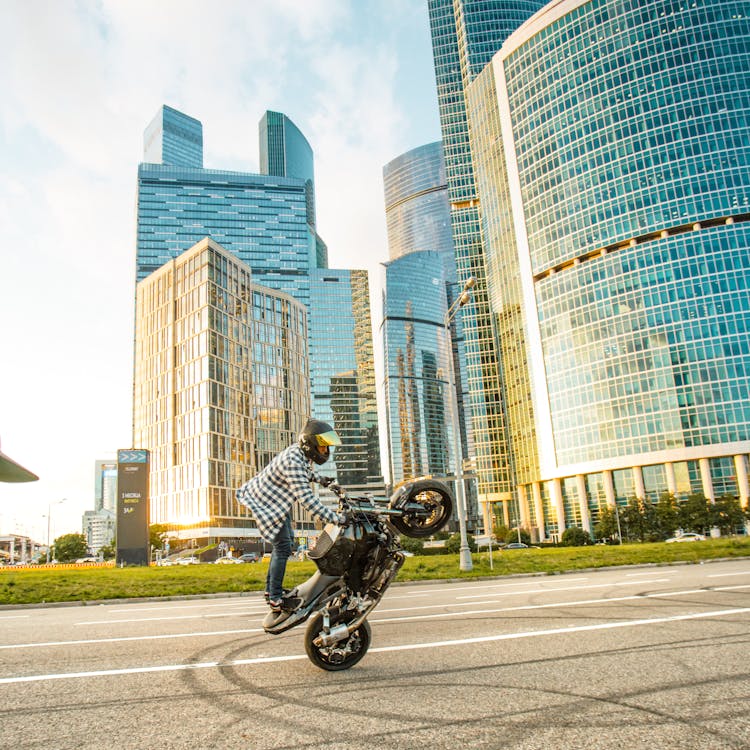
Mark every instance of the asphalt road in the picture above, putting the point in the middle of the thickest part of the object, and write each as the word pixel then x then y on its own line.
pixel 652 657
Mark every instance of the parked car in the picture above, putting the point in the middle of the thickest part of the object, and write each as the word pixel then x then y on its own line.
pixel 188 561
pixel 689 537
pixel 87 560
pixel 228 560
pixel 516 545
pixel 249 557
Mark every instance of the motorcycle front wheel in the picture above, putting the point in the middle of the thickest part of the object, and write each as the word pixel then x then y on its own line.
pixel 427 507
pixel 338 656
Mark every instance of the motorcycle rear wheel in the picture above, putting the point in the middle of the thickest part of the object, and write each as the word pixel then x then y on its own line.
pixel 342 655
pixel 435 498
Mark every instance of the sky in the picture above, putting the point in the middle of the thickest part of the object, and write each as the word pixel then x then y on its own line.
pixel 79 82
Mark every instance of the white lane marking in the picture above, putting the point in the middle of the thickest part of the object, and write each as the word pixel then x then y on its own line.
pixel 569 588
pixel 726 575
pixel 131 638
pixel 561 631
pixel 646 573
pixel 12 617
pixel 223 603
pixel 170 619
pixel 440 589
pixel 382 649
pixel 553 605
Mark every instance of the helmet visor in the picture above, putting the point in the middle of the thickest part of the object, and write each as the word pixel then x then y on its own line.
pixel 328 438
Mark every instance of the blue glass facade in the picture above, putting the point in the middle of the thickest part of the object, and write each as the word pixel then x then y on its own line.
pixel 343 380
pixel 416 367
pixel 627 127
pixel 260 219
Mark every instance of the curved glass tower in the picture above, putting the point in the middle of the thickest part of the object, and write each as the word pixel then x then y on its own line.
pixel 625 130
pixel 417 210
pixel 416 361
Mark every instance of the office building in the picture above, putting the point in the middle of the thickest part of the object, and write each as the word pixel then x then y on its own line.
pixel 221 386
pixel 105 485
pixel 420 431
pixel 173 139
pixel 465 35
pixel 418 220
pixel 343 381
pixel 99 528
pixel 612 159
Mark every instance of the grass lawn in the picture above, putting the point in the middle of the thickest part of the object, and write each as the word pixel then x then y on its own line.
pixel 30 586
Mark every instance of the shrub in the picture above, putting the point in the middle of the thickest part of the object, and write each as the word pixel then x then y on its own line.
pixel 453 543
pixel 415 546
pixel 575 536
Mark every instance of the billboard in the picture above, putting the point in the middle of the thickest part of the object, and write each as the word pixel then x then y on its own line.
pixel 132 507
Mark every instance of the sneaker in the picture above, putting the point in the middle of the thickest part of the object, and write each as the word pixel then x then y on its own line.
pixel 267 596
pixel 285 604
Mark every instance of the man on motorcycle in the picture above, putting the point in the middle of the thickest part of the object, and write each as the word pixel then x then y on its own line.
pixel 271 493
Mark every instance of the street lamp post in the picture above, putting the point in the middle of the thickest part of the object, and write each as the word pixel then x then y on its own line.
pixel 49 516
pixel 465 562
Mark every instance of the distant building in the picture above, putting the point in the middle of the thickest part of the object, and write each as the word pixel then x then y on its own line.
pixel 267 221
pixel 99 528
pixel 105 485
pixel 221 386
pixel 173 139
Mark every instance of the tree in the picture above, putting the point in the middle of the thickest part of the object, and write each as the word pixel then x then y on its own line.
pixel 727 514
pixel 694 514
pixel 502 532
pixel 70 547
pixel 606 526
pixel 639 520
pixel 453 543
pixel 575 536
pixel 667 515
pixel 157 533
pixel 108 551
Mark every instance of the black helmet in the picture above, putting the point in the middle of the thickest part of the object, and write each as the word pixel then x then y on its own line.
pixel 317 434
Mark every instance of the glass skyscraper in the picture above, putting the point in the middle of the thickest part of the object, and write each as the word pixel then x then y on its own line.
pixel 343 382
pixel 221 385
pixel 173 139
pixel 416 367
pixel 418 219
pixel 624 126
pixel 465 35
pixel 285 152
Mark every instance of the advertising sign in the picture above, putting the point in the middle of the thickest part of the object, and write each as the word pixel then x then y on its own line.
pixel 132 507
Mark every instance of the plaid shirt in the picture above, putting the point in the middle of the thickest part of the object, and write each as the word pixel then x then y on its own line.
pixel 271 493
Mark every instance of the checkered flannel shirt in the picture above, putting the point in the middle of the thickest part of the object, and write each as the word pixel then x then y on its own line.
pixel 271 493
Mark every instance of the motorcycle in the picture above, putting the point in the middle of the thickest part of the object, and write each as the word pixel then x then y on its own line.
pixel 357 562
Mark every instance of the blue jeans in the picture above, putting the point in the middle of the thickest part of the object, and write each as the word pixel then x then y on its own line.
pixel 281 548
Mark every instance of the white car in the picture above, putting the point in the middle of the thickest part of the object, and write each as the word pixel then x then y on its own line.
pixel 188 561
pixel 227 560
pixel 689 537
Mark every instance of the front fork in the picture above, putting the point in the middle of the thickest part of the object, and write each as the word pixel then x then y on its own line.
pixel 332 635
